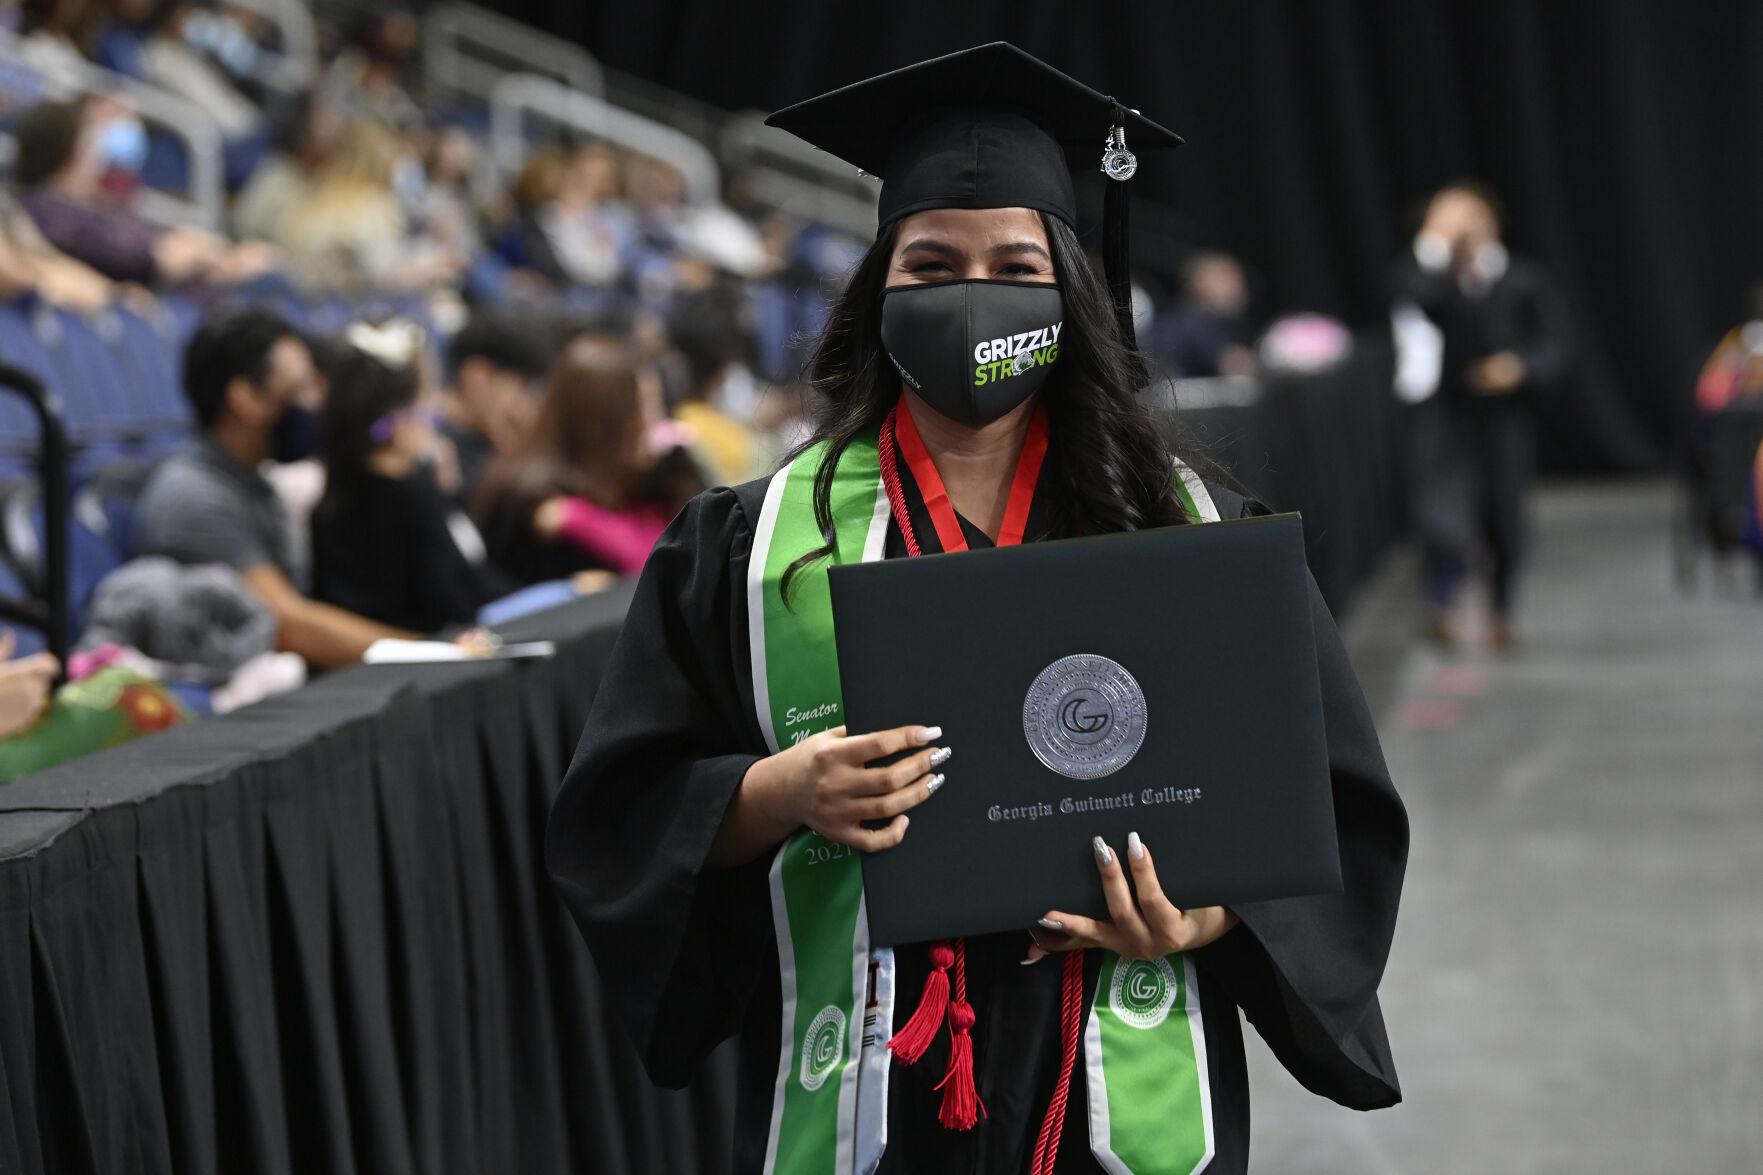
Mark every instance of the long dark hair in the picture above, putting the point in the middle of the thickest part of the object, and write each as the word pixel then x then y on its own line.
pixel 1112 467
pixel 363 390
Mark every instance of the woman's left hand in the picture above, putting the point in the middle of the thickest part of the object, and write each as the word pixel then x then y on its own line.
pixel 1147 927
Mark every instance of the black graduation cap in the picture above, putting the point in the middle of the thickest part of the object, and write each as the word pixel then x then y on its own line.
pixel 988 127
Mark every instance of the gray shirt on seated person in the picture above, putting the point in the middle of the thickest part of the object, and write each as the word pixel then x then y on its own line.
pixel 202 506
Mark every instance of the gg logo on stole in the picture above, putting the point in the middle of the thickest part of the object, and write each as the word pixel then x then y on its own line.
pixel 823 1045
pixel 1143 991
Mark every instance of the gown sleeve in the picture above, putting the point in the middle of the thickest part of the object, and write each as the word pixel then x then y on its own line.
pixel 677 944
pixel 1305 971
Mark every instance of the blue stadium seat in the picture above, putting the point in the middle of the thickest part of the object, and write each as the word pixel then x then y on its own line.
pixel 91 388
pixel 20 434
pixel 12 587
pixel 149 350
pixel 91 556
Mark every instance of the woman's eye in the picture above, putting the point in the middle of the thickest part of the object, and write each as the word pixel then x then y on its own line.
pixel 1019 270
pixel 931 267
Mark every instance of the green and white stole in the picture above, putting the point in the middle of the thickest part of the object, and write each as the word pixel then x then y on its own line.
pixel 1144 1043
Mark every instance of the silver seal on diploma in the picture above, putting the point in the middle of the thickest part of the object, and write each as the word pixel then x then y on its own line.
pixel 1084 716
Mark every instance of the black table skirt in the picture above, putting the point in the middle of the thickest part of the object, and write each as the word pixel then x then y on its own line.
pixel 1328 445
pixel 317 936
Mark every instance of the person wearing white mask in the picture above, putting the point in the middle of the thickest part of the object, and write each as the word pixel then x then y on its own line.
pixel 77 163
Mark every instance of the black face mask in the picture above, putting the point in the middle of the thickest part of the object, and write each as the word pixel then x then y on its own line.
pixel 973 350
pixel 295 436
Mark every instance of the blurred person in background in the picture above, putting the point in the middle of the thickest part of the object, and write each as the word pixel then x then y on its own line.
pixel 657 194
pixel 519 239
pixel 577 230
pixel 385 542
pixel 78 162
pixel 1735 370
pixel 436 190
pixel 711 332
pixel 496 362
pixel 25 685
pixel 29 264
pixel 370 79
pixel 285 180
pixel 1207 332
pixel 254 388
pixel 352 233
pixel 54 37
pixel 1497 338
pixel 170 61
pixel 179 54
pixel 600 475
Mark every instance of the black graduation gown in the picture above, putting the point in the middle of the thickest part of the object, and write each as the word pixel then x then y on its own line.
pixel 688 955
pixel 1472 455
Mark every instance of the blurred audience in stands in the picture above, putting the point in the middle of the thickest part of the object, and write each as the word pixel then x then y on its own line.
pixel 29 264
pixel 253 386
pixel 601 474
pixel 284 181
pixel 370 78
pixel 55 36
pixel 495 364
pixel 351 234
pixel 719 397
pixel 1206 333
pixel 386 543
pixel 78 163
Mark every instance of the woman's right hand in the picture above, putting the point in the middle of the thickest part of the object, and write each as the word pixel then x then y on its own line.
pixel 824 783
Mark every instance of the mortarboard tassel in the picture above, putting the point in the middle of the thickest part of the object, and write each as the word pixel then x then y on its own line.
pixel 910 1043
pixel 1119 165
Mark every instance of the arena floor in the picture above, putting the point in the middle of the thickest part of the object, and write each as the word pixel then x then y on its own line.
pixel 1577 981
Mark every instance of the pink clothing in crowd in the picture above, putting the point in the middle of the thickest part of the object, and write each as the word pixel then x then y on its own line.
pixel 620 539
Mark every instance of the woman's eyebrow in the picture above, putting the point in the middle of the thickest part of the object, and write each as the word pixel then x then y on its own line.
pixel 930 245
pixel 1018 248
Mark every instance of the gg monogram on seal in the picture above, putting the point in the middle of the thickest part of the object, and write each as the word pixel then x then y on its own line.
pixel 1084 716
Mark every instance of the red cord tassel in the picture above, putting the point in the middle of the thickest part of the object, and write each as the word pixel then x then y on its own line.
pixel 962 1108
pixel 961 1104
pixel 910 1043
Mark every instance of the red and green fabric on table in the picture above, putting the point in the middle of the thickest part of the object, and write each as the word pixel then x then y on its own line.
pixel 109 708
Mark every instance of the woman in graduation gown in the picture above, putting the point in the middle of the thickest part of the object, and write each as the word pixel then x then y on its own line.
pixel 673 833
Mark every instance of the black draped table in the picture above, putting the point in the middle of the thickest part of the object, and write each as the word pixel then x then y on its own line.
pixel 1328 445
pixel 317 936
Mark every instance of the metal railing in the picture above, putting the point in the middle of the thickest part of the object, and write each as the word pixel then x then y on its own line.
pixel 789 174
pixel 52 613
pixel 467 50
pixel 518 98
pixel 203 203
pixel 295 67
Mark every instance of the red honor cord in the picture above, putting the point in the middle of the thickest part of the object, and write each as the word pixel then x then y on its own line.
pixel 901 428
pixel 962 1107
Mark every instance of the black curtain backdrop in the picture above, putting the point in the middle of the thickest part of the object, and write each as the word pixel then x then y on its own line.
pixel 1621 135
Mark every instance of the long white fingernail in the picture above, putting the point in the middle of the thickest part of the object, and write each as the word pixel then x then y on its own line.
pixel 940 756
pixel 1135 848
pixel 935 782
pixel 1051 923
pixel 1103 853
pixel 929 734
